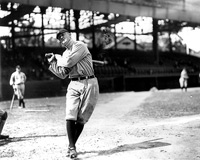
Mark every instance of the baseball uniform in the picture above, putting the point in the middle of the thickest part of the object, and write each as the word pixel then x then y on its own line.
pixel 183 80
pixel 83 89
pixel 17 80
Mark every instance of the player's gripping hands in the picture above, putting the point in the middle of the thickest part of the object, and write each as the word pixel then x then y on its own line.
pixel 50 57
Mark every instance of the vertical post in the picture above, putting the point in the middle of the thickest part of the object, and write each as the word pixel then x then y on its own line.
pixel 170 43
pixel 42 13
pixel 155 40
pixel 77 16
pixel 115 38
pixel 13 30
pixel 68 26
pixel 93 32
pixel 170 40
pixel 135 35
pixel 0 73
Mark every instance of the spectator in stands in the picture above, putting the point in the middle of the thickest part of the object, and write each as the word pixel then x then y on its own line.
pixel 183 80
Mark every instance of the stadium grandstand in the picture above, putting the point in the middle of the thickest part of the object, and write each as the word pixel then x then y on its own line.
pixel 144 44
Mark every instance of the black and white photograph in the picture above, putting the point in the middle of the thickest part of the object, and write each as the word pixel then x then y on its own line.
pixel 99 80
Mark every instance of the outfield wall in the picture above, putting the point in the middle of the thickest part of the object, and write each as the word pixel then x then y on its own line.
pixel 56 87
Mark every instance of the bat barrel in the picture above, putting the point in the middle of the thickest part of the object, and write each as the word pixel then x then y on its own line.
pixel 99 62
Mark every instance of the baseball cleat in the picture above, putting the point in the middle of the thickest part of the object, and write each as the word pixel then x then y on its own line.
pixel 72 152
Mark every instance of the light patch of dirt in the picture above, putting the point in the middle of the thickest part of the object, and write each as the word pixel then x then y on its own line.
pixel 121 127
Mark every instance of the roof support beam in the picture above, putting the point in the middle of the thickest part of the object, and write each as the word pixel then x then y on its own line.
pixel 180 11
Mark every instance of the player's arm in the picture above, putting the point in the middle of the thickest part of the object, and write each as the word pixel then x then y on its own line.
pixel 77 54
pixel 12 80
pixel 61 72
pixel 24 78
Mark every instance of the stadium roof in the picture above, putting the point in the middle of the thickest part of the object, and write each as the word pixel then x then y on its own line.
pixel 180 10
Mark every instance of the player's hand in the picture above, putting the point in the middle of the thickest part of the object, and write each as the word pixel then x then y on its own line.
pixel 50 57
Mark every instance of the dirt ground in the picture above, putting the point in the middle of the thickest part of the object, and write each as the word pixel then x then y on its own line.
pixel 122 127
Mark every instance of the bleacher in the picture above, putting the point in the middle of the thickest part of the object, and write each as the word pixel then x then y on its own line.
pixel 126 70
pixel 146 63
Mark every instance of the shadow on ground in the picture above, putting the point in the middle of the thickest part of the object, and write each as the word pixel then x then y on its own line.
pixel 27 138
pixel 127 147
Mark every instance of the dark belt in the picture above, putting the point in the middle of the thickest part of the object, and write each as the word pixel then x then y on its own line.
pixel 82 78
pixel 19 83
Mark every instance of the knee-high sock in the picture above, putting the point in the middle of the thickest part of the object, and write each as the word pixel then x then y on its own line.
pixel 20 102
pixel 71 130
pixel 2 122
pixel 23 104
pixel 79 129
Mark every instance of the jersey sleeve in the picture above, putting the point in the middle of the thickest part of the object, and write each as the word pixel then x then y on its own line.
pixel 59 71
pixel 12 79
pixel 78 52
pixel 24 77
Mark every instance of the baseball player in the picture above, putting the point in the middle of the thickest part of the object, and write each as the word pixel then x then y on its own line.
pixel 3 117
pixel 17 81
pixel 183 80
pixel 83 89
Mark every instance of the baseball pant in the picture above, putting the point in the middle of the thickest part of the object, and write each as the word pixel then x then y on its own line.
pixel 19 90
pixel 81 97
pixel 183 82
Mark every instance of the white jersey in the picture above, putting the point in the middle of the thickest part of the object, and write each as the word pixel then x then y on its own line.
pixel 184 74
pixel 17 78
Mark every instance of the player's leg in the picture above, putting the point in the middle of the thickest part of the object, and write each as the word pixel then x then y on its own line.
pixel 89 101
pixel 72 106
pixel 71 133
pixel 3 117
pixel 22 93
pixel 185 84
pixel 18 93
pixel 20 102
pixel 71 130
pixel 79 129
pixel 74 130
pixel 181 82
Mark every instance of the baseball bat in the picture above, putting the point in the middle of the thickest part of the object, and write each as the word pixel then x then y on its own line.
pixel 100 62
pixel 12 101
pixel 48 55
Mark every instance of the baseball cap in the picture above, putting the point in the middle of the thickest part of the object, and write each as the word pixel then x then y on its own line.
pixel 60 32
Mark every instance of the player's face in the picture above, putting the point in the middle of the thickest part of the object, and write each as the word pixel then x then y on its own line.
pixel 64 39
pixel 18 69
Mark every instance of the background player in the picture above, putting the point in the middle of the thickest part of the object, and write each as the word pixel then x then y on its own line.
pixel 17 81
pixel 183 80
pixel 3 117
pixel 83 89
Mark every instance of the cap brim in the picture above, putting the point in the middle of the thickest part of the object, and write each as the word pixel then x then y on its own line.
pixel 61 32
